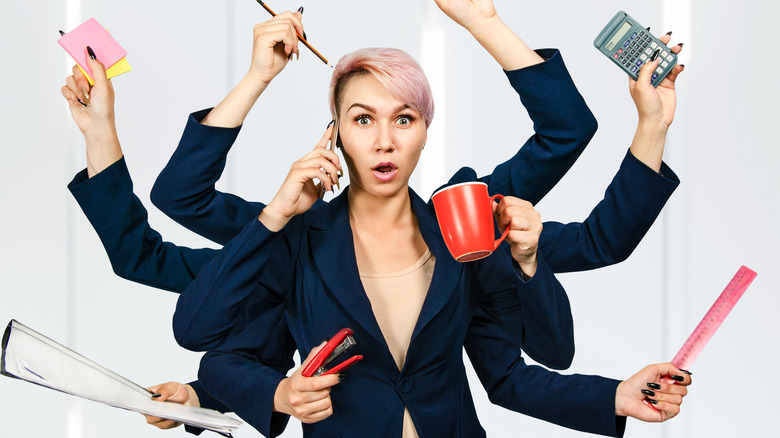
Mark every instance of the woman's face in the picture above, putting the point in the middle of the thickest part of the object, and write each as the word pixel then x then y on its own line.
pixel 381 137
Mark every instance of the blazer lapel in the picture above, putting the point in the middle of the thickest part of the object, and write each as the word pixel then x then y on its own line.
pixel 447 272
pixel 334 255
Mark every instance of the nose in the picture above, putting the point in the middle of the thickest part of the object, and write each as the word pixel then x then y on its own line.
pixel 384 141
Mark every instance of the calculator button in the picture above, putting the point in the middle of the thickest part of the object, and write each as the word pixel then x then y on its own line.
pixel 643 57
pixel 655 75
pixel 659 70
pixel 633 69
pixel 653 44
pixel 648 51
pixel 670 58
pixel 626 43
pixel 639 63
pixel 664 64
pixel 664 54
pixel 633 36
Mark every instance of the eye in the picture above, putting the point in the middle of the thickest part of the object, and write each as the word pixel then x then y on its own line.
pixel 404 120
pixel 363 120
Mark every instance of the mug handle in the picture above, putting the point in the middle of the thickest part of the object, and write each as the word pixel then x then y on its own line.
pixel 498 198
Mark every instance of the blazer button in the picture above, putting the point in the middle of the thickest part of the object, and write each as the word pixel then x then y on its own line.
pixel 406 385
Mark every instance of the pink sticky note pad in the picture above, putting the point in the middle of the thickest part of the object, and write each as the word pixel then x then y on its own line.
pixel 91 33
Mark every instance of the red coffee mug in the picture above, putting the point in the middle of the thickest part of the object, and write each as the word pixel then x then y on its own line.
pixel 465 214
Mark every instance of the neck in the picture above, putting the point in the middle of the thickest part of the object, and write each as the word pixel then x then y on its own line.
pixel 368 210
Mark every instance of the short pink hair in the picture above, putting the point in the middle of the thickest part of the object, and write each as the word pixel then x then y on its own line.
pixel 395 69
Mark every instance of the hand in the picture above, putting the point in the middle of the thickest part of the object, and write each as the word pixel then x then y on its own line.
pixel 173 392
pixel 656 105
pixel 663 383
pixel 96 114
pixel 525 226
pixel 468 13
pixel 298 192
pixel 275 41
pixel 306 398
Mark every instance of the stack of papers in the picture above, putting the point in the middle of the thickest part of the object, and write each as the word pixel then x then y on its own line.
pixel 31 356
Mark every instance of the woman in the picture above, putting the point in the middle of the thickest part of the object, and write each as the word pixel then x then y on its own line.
pixel 379 126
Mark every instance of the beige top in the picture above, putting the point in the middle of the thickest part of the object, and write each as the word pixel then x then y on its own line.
pixel 396 299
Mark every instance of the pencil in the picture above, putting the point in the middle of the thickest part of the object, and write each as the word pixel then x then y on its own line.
pixel 302 39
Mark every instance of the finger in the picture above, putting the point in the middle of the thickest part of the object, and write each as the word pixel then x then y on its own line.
pixel 323 143
pixel 80 79
pixel 666 38
pixel 68 94
pixel 669 409
pixel 311 355
pixel 318 416
pixel 677 48
pixel 294 18
pixel 316 167
pixel 319 383
pixel 71 83
pixel 672 76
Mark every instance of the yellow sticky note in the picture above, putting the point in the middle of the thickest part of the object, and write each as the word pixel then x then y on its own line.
pixel 121 66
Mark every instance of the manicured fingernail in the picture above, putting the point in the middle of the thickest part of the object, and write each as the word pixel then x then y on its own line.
pixel 82 102
pixel 682 65
pixel 686 371
pixel 648 392
pixel 341 377
pixel 653 386
pixel 307 39
pixel 91 53
pixel 680 44
pixel 648 28
pixel 300 10
pixel 655 55
pixel 655 402
pixel 678 378
pixel 669 33
pixel 330 124
pixel 62 33
pixel 156 395
pixel 297 55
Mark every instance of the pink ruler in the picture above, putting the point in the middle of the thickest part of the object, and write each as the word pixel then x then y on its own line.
pixel 714 317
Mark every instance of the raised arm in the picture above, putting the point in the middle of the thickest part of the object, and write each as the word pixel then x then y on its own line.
pixel 185 189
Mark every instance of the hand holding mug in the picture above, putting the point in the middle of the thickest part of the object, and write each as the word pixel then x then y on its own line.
pixel 524 224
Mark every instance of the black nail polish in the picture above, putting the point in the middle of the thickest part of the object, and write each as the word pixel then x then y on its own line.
pixel 648 28
pixel 82 102
pixel 653 386
pixel 156 395
pixel 655 402
pixel 678 378
pixel 686 371
pixel 330 124
pixel 305 37
pixel 341 377
pixel 91 53
pixel 62 33
pixel 680 44
pixel 648 392
pixel 300 10
pixel 655 55
pixel 682 65
pixel 669 33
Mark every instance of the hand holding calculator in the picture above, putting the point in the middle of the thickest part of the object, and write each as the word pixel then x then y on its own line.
pixel 630 45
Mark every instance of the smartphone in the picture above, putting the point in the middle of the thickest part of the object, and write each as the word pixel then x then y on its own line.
pixel 630 45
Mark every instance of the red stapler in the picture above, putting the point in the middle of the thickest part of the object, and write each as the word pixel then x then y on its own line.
pixel 338 344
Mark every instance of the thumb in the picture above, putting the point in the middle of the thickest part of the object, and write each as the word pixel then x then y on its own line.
pixel 646 72
pixel 97 67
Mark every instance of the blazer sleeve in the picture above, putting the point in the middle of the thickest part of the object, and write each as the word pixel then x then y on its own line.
pixel 581 402
pixel 185 189
pixel 136 251
pixel 563 126
pixel 211 305
pixel 237 363
pixel 535 313
pixel 616 225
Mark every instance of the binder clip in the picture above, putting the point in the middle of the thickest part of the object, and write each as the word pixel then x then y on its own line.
pixel 336 346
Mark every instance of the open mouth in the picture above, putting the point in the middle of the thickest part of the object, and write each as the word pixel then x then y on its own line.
pixel 384 171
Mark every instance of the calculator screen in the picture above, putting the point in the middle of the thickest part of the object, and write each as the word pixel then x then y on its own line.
pixel 618 35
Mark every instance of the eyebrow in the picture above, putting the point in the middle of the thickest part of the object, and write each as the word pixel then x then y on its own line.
pixel 371 109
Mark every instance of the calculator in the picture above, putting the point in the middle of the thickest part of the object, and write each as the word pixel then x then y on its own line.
pixel 630 45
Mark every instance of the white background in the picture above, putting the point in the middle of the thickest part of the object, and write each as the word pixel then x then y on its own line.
pixel 186 55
